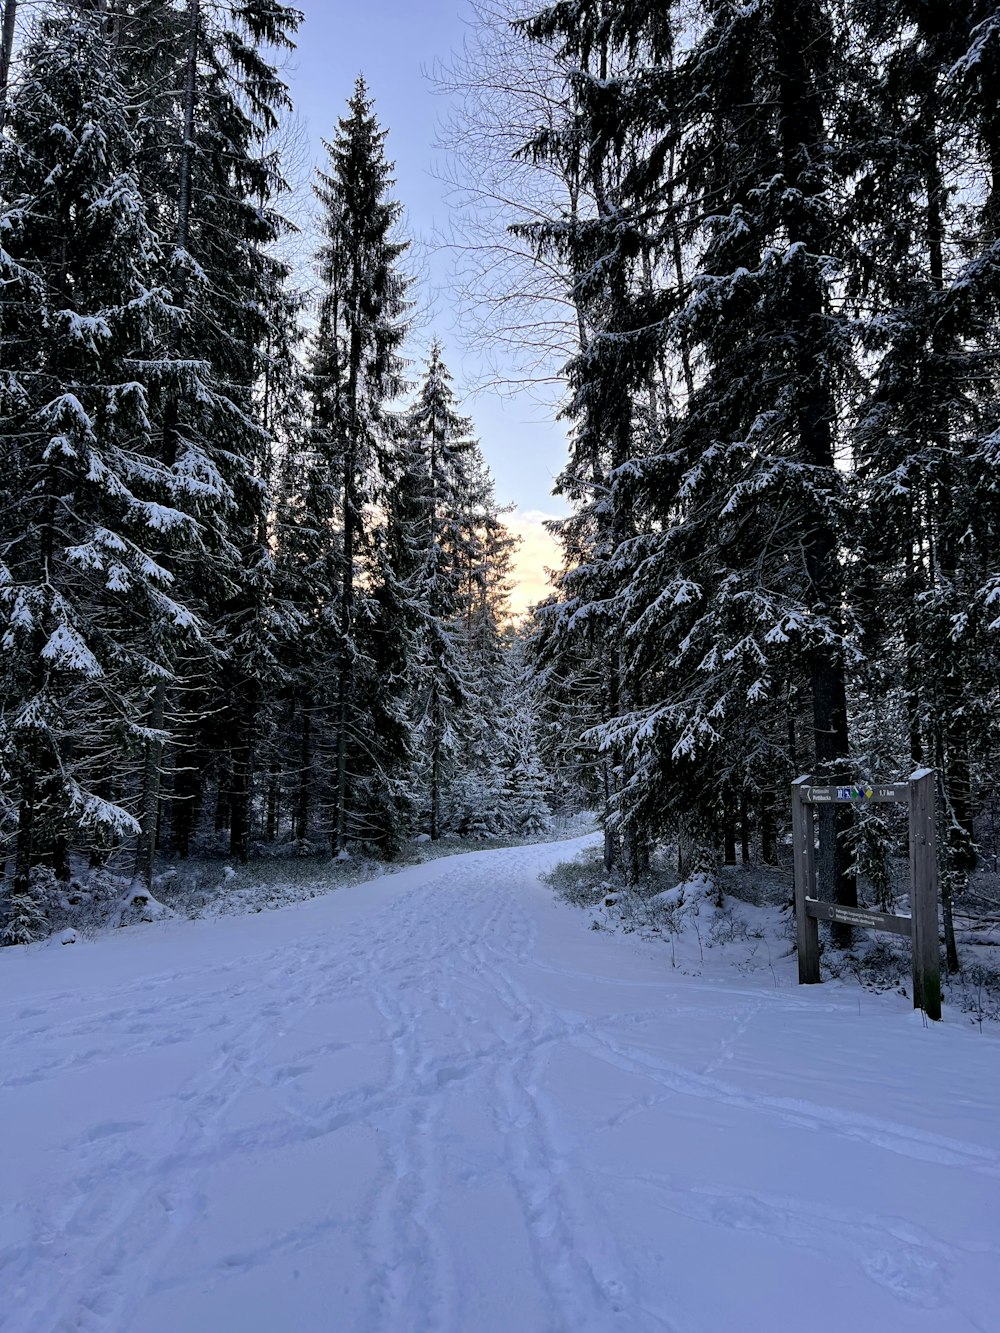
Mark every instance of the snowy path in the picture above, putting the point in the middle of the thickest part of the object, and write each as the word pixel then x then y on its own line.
pixel 440 1103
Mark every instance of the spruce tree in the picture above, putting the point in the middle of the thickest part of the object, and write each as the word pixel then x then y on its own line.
pixel 93 513
pixel 927 522
pixel 489 549
pixel 356 371
pixel 607 247
pixel 209 101
pixel 440 441
pixel 527 810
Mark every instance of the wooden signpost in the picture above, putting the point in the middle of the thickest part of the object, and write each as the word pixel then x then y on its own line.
pixel 921 926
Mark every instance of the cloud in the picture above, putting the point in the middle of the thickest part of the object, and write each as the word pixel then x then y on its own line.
pixel 537 553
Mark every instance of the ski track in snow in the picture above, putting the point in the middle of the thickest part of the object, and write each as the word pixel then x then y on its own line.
pixel 439 1104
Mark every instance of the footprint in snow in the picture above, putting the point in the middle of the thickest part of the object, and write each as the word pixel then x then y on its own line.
pixel 109 1129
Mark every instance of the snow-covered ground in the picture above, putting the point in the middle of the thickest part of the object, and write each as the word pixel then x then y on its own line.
pixel 440 1102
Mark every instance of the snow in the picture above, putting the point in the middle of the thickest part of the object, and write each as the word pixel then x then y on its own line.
pixel 690 892
pixel 86 329
pixel 66 648
pixel 441 1101
pixel 93 812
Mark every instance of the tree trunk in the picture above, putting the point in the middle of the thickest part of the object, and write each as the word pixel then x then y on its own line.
pixel 271 818
pixel 797 26
pixel 609 838
pixel 911 639
pixel 953 734
pixel 6 54
pixel 239 789
pixel 768 829
pixel 24 855
pixel 188 145
pixel 145 853
pixel 222 806
pixel 435 829
pixel 304 801
pixel 729 829
pixel 186 803
pixel 339 841
pixel 60 859
pixel 352 522
pixel 152 767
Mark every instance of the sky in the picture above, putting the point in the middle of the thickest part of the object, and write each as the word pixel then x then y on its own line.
pixel 395 44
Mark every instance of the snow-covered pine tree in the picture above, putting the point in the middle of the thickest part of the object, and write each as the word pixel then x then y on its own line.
pixel 208 98
pixel 91 511
pixel 607 248
pixel 736 596
pixel 442 449
pixel 567 679
pixel 927 296
pixel 526 804
pixel 356 368
pixel 281 404
pixel 306 591
pixel 389 635
pixel 477 802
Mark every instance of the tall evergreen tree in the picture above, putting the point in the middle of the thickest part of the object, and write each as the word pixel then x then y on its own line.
pixel 209 100
pixel 608 247
pixel 357 372
pixel 441 441
pixel 927 521
pixel 92 510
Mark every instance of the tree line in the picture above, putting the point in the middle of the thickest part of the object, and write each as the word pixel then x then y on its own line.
pixel 775 230
pixel 247 594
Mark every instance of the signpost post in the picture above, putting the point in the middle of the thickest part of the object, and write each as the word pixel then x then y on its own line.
pixel 921 926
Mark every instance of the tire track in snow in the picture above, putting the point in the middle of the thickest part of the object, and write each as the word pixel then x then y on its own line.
pixel 403 1249
pixel 409 1282
pixel 575 1259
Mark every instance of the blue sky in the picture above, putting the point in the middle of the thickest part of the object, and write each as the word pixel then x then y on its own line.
pixel 395 44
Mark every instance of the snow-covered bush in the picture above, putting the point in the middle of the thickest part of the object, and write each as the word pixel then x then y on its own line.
pixel 24 920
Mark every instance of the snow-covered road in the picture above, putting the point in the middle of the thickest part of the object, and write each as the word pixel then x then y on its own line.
pixel 440 1102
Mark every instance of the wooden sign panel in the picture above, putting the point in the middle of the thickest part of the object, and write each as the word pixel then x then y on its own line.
pixel 859 916
pixel 874 793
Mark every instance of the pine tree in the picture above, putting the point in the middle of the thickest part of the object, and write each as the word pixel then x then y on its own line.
pixel 775 349
pixel 928 518
pixel 208 101
pixel 489 549
pixel 356 370
pixel 528 813
pixel 307 580
pixel 93 512
pixel 607 247
pixel 442 450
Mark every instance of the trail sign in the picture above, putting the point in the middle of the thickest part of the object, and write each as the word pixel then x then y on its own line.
pixel 881 791
pixel 921 926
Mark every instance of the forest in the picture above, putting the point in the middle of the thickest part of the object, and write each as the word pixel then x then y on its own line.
pixel 254 573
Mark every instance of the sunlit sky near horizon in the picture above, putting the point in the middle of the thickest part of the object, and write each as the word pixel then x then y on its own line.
pixel 395 45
